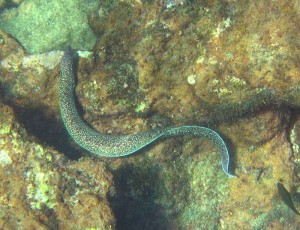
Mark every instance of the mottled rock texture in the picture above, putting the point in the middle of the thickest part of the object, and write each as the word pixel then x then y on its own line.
pixel 42 26
pixel 41 189
pixel 229 65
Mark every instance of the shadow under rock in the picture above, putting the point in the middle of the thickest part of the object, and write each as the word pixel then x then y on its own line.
pixel 136 202
pixel 48 130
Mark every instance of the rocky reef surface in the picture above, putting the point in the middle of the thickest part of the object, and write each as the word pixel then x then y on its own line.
pixel 41 189
pixel 232 66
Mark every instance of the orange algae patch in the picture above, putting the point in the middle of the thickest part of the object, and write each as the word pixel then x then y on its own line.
pixel 252 193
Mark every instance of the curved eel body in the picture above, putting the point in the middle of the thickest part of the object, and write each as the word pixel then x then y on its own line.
pixel 119 145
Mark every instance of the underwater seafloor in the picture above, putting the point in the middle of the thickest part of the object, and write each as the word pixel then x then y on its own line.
pixel 232 66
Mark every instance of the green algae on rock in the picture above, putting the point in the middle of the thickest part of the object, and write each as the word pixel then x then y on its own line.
pixel 42 26
pixel 205 196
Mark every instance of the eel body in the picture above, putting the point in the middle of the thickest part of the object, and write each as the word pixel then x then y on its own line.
pixel 119 145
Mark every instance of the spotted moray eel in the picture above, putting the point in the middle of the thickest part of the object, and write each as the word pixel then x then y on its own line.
pixel 120 145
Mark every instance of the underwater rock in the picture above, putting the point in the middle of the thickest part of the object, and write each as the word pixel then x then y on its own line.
pixel 50 25
pixel 243 60
pixel 40 188
pixel 172 3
